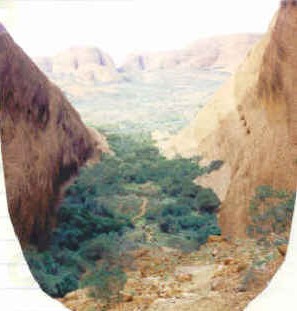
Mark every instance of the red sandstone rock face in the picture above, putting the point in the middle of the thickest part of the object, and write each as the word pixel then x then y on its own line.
pixel 251 124
pixel 44 142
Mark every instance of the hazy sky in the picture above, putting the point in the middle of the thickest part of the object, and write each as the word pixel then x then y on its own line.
pixel 119 27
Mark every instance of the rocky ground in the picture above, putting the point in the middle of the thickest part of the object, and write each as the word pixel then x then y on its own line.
pixel 222 276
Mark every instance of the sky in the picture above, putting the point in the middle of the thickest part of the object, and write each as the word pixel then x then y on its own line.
pixel 120 27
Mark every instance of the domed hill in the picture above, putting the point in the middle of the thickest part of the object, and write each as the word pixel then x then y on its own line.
pixel 222 52
pixel 44 142
pixel 87 63
pixel 251 124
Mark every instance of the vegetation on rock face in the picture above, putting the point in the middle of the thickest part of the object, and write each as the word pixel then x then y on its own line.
pixel 131 199
pixel 271 212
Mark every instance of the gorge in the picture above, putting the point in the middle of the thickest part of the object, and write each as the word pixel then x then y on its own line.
pixel 140 210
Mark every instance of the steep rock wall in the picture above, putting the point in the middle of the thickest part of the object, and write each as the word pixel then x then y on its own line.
pixel 44 142
pixel 251 123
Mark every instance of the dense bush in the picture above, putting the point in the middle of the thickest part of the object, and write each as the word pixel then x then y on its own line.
pixel 54 277
pixel 78 225
pixel 207 201
pixel 195 227
pixel 105 282
pixel 105 246
pixel 176 210
pixel 95 219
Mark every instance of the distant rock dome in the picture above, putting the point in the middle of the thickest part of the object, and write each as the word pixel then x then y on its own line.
pixel 2 28
pixel 85 63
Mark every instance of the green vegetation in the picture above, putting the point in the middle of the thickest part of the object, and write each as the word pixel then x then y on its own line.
pixel 105 282
pixel 271 212
pixel 99 223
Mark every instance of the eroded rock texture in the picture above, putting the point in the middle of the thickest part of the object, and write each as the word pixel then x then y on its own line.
pixel 251 123
pixel 44 142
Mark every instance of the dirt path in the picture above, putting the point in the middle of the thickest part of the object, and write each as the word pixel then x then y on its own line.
pixel 142 210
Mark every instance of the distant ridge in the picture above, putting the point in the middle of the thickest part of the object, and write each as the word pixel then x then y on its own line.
pixel 220 52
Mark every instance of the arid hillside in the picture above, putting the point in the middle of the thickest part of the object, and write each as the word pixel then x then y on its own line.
pixel 223 52
pixel 44 142
pixel 250 124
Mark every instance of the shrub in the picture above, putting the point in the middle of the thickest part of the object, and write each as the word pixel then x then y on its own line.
pixel 192 222
pixel 264 192
pixel 52 277
pixel 207 201
pixel 214 165
pixel 169 224
pixel 176 210
pixel 105 246
pixel 190 190
pixel 270 211
pixel 105 282
pixel 77 224
pixel 171 187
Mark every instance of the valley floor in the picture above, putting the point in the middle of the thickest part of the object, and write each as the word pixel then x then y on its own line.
pixel 134 232
pixel 221 276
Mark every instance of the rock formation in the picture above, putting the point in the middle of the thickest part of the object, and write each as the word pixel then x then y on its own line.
pixel 222 52
pixel 44 142
pixel 86 63
pixel 251 123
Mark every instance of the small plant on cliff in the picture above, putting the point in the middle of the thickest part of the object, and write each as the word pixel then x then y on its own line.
pixel 271 211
